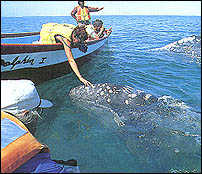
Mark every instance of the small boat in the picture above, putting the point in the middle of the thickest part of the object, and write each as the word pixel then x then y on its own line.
pixel 23 57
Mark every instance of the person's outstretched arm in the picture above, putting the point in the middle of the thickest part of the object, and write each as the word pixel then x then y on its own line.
pixel 94 9
pixel 71 60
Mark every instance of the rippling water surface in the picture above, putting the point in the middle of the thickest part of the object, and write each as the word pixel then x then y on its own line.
pixel 129 58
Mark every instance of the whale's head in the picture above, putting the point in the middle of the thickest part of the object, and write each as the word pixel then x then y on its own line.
pixel 111 95
pixel 123 103
pixel 97 99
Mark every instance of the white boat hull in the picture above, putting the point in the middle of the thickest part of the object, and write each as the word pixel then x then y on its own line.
pixel 11 62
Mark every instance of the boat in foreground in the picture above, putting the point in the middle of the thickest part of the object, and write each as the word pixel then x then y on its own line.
pixel 23 57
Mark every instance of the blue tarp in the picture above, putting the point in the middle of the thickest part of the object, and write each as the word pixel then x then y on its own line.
pixel 42 163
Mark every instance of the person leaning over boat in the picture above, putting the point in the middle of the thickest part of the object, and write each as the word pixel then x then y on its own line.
pixel 97 30
pixel 70 36
pixel 81 13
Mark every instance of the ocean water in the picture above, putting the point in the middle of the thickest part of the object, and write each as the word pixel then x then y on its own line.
pixel 129 58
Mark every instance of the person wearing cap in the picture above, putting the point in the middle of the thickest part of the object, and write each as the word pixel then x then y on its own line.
pixel 71 37
pixel 21 99
pixel 97 30
pixel 81 13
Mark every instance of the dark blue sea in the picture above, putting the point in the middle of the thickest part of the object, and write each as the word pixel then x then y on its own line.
pixel 129 58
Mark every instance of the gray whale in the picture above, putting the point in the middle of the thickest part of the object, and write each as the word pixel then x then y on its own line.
pixel 190 46
pixel 153 129
pixel 135 111
pixel 126 105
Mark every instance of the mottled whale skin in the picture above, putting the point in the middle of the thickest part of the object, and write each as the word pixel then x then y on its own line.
pixel 151 128
pixel 134 110
pixel 113 96
pixel 127 105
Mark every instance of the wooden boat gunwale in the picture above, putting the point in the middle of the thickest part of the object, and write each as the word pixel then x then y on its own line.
pixel 15 48
pixel 11 35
